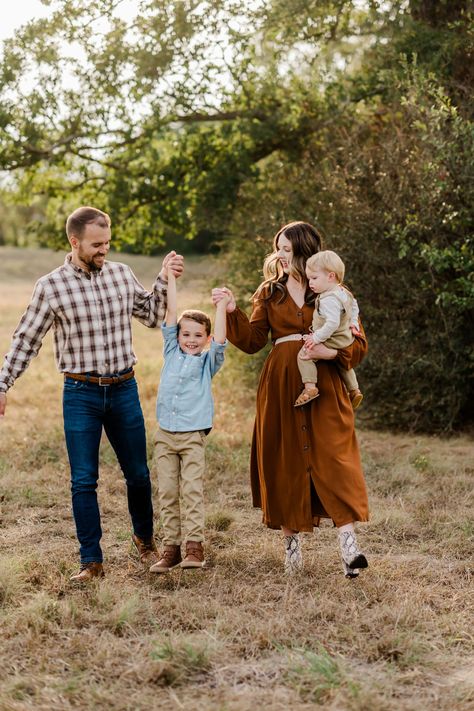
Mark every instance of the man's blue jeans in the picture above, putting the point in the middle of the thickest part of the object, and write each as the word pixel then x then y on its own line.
pixel 88 408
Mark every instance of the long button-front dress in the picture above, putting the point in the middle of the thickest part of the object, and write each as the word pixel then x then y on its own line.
pixel 305 461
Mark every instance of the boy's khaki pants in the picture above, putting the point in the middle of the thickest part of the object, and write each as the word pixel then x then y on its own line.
pixel 180 461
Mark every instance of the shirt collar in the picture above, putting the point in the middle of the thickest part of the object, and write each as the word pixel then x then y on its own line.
pixel 78 271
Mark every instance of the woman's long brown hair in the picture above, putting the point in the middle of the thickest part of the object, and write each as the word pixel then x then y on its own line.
pixel 305 241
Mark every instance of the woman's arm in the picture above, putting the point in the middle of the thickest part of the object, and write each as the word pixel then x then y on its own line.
pixel 250 335
pixel 354 354
pixel 318 351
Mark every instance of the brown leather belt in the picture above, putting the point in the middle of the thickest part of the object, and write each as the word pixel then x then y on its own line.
pixel 100 380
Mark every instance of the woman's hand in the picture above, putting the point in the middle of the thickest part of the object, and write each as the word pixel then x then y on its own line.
pixel 224 293
pixel 318 351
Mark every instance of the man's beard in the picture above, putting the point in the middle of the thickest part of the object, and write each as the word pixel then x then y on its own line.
pixel 89 262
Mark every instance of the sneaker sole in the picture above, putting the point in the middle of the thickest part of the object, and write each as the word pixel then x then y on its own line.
pixel 359 561
pixel 192 565
pixel 163 570
pixel 349 572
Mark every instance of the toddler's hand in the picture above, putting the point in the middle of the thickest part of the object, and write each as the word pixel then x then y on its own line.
pixel 355 331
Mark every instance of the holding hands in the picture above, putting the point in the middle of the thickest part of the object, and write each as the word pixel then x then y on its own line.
pixel 174 263
pixel 223 294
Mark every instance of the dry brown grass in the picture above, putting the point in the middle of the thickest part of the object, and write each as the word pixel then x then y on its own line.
pixel 239 635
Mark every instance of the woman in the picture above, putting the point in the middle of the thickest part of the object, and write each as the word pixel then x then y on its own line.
pixel 305 461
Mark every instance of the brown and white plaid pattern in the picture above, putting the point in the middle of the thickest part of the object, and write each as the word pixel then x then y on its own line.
pixel 91 318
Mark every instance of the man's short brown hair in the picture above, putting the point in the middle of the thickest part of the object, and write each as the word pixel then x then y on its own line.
pixel 198 316
pixel 77 220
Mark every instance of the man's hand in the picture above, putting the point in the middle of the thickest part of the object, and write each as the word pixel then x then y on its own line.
pixel 174 262
pixel 3 404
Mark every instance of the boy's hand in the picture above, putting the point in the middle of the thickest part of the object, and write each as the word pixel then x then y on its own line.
pixel 3 404
pixel 355 331
pixel 172 261
pixel 224 294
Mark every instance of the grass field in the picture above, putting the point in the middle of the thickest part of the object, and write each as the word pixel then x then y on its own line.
pixel 238 636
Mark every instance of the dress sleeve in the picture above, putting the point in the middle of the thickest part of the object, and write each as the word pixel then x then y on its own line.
pixel 354 354
pixel 249 334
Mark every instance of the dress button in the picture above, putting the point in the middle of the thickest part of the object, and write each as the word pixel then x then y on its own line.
pixel 306 447
pixel 300 313
pixel 304 428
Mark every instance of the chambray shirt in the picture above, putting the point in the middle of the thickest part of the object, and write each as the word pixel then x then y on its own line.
pixel 184 401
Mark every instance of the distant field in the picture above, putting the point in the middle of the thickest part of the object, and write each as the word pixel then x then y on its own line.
pixel 238 636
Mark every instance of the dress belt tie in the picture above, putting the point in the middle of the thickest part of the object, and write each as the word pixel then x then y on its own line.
pixel 100 380
pixel 291 337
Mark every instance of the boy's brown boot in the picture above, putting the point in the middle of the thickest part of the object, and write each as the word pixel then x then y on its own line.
pixel 170 559
pixel 356 398
pixel 194 555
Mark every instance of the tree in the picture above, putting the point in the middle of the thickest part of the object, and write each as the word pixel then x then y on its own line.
pixel 218 120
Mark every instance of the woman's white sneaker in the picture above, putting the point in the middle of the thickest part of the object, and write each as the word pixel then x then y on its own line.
pixel 351 554
pixel 293 557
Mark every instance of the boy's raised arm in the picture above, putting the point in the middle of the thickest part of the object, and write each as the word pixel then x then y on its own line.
pixel 171 316
pixel 220 322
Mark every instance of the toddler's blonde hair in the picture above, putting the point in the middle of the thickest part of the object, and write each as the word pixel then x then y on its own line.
pixel 329 261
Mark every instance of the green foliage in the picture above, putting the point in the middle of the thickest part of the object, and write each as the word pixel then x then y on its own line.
pixel 217 122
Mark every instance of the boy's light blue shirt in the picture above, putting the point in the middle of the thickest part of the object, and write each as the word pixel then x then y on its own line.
pixel 184 401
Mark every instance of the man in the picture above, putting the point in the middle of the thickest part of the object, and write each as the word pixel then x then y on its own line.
pixel 89 302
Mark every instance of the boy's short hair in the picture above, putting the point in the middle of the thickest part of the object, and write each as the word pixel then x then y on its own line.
pixel 198 316
pixel 329 261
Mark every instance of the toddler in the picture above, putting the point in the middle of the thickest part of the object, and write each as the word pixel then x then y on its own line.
pixel 184 413
pixel 335 321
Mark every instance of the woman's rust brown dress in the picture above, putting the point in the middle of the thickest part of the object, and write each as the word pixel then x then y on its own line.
pixel 305 461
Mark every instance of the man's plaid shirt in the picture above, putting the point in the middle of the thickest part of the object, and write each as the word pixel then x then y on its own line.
pixel 91 318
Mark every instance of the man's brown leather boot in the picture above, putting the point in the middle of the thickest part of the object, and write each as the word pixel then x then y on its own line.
pixel 147 550
pixel 88 572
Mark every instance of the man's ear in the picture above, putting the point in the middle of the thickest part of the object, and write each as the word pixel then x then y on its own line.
pixel 73 241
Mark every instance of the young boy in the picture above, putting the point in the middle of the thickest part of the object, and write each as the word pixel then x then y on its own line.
pixel 335 321
pixel 184 413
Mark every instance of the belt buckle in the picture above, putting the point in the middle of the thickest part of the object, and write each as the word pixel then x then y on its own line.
pixel 100 381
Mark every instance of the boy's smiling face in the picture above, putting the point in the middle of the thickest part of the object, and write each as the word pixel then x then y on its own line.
pixel 192 336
